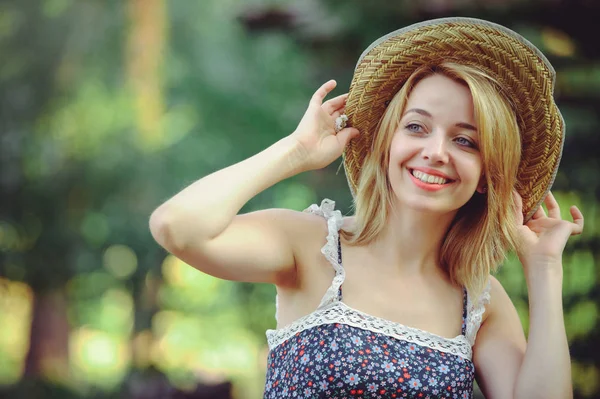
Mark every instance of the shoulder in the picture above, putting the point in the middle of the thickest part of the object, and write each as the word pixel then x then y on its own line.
pixel 491 305
pixel 498 299
pixel 310 227
pixel 323 218
pixel 313 234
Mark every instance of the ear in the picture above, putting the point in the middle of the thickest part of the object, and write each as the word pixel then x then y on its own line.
pixel 482 185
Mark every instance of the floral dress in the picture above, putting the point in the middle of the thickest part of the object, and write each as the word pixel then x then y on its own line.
pixel 338 352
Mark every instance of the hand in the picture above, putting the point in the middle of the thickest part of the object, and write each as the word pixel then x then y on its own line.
pixel 543 238
pixel 317 141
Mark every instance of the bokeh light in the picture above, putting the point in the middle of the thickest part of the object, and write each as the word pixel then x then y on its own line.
pixel 99 358
pixel 120 261
pixel 16 301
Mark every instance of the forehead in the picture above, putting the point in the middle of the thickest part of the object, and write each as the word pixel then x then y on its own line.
pixel 439 94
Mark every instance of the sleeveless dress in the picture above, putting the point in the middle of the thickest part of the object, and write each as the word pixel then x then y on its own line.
pixel 337 352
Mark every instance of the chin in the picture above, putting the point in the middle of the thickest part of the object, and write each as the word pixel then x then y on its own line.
pixel 429 205
pixel 432 209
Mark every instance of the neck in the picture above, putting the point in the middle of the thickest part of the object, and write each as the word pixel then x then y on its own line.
pixel 411 241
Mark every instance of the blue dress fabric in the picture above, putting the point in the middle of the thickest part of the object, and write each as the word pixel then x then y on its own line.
pixel 338 352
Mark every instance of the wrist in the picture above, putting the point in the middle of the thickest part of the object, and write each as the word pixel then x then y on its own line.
pixel 295 154
pixel 542 264
pixel 290 156
pixel 544 273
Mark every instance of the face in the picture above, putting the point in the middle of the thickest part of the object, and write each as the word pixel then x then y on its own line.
pixel 435 165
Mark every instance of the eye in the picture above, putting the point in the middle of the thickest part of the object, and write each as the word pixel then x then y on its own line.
pixel 414 128
pixel 463 141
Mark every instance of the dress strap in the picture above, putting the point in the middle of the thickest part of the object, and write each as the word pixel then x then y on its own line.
pixel 340 297
pixel 475 311
pixel 332 248
pixel 465 312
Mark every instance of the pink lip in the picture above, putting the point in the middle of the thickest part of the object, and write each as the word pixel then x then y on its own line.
pixel 428 186
pixel 432 172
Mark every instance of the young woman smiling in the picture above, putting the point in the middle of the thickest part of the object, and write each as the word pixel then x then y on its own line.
pixel 453 144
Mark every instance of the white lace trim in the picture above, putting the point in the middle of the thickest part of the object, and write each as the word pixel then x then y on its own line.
pixel 330 249
pixel 334 224
pixel 339 312
pixel 475 312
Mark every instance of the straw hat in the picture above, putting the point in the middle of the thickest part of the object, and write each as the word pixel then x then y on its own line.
pixel 517 65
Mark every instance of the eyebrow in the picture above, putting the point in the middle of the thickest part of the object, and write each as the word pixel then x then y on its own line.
pixel 427 114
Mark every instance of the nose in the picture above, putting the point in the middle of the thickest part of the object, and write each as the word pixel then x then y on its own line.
pixel 435 148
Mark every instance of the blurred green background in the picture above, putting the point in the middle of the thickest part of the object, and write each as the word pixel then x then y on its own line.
pixel 107 108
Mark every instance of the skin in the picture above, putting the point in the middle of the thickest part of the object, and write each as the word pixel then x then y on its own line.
pixel 437 132
pixel 209 233
pixel 432 135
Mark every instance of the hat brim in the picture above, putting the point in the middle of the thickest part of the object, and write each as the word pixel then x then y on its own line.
pixel 520 68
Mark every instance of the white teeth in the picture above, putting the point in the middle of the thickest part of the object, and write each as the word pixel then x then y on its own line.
pixel 425 178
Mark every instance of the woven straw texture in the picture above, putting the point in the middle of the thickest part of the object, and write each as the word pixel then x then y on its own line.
pixel 518 66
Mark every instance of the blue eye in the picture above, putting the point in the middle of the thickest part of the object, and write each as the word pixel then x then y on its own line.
pixel 465 142
pixel 413 127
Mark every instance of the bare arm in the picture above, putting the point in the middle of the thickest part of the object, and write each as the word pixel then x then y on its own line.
pixel 198 226
pixel 510 367
pixel 201 224
pixel 499 347
pixel 541 368
pixel 546 368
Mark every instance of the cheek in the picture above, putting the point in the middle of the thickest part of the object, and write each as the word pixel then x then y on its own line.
pixel 400 150
pixel 394 145
pixel 475 171
pixel 393 153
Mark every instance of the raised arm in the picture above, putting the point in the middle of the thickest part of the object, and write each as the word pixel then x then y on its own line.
pixel 508 367
pixel 201 225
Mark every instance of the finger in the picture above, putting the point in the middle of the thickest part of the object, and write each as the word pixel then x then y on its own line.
pixel 518 207
pixel 346 134
pixel 535 226
pixel 552 206
pixel 330 106
pixel 577 220
pixel 322 92
pixel 339 112
pixel 540 213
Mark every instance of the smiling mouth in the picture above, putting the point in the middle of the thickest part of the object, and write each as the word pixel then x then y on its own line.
pixel 429 179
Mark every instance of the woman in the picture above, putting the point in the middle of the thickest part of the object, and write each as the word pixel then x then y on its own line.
pixel 454 143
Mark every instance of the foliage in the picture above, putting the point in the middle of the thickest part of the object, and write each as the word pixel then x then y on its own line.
pixel 108 108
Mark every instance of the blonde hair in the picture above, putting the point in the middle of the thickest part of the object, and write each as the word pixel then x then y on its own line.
pixel 484 229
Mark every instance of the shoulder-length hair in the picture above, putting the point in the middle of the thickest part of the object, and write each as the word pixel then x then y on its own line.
pixel 484 229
